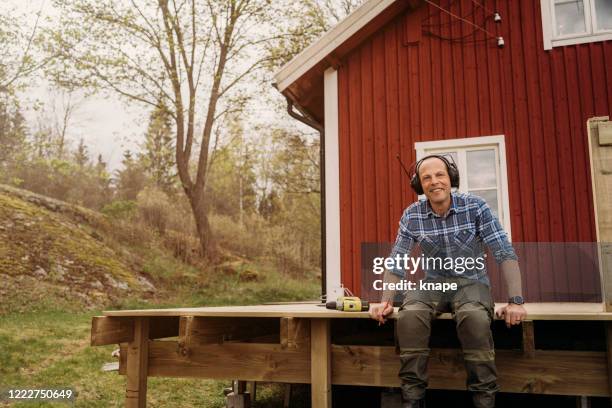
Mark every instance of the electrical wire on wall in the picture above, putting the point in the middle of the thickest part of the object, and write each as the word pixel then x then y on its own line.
pixel 466 38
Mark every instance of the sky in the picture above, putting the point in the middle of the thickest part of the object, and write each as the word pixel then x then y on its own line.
pixel 105 123
pixel 107 126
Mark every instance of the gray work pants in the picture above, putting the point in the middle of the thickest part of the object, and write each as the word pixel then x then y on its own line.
pixel 472 310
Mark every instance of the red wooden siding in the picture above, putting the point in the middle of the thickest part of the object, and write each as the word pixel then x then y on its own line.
pixel 392 95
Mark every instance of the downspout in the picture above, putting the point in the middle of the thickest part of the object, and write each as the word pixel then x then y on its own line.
pixel 307 120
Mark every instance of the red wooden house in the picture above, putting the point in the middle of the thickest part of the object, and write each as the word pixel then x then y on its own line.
pixel 413 77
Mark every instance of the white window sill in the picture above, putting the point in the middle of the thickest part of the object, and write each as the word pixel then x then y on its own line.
pixel 582 39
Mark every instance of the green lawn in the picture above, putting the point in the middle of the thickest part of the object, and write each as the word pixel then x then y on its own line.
pixel 45 318
pixel 50 348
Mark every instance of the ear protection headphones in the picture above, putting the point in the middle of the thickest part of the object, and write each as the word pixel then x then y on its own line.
pixel 451 167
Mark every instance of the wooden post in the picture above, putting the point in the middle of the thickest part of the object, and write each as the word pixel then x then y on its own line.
pixel 609 348
pixel 320 363
pixel 528 339
pixel 252 389
pixel 600 155
pixel 238 398
pixel 287 396
pixel 137 365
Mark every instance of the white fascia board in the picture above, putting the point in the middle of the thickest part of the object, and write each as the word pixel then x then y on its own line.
pixel 331 40
pixel 333 282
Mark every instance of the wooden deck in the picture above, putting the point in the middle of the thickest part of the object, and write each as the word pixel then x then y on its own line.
pixel 292 343
pixel 310 310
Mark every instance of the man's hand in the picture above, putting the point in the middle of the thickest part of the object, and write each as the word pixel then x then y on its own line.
pixel 379 311
pixel 512 314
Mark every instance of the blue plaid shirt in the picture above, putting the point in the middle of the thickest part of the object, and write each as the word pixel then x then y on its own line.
pixel 462 232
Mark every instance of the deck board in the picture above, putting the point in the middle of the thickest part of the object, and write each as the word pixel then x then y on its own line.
pixel 535 311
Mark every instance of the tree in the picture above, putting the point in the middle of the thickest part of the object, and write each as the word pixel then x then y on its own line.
pixel 308 20
pixel 296 163
pixel 158 155
pixel 13 134
pixel 65 105
pixel 131 178
pixel 18 42
pixel 193 53
pixel 81 155
pixel 232 175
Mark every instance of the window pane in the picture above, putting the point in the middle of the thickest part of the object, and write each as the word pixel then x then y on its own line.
pixel 481 170
pixel 603 11
pixel 490 196
pixel 570 18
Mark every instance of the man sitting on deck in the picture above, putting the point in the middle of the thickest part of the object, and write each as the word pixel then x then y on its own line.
pixel 450 225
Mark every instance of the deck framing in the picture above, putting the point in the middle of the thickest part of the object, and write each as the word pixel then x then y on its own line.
pixel 300 350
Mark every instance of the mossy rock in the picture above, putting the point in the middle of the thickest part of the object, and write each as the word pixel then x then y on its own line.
pixel 57 252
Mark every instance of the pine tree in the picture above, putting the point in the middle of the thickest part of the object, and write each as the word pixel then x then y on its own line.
pixel 13 131
pixel 131 178
pixel 158 155
pixel 81 156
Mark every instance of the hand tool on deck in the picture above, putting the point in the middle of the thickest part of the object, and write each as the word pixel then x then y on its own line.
pixel 349 304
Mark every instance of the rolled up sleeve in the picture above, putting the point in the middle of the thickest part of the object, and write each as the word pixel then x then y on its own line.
pixel 493 234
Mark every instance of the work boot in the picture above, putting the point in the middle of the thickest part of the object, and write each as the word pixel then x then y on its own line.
pixel 420 403
pixel 483 400
pixel 482 382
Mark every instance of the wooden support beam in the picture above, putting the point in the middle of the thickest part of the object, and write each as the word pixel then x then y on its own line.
pixel 294 332
pixel 252 389
pixel 528 339
pixel 600 156
pixel 609 354
pixel 583 402
pixel 114 330
pixel 137 365
pixel 123 358
pixel 320 363
pixel 287 395
pixel 195 330
pixel 111 330
pixel 228 361
pixel 238 398
pixel 547 372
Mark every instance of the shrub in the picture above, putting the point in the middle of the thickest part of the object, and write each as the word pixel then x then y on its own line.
pixel 120 209
pixel 154 208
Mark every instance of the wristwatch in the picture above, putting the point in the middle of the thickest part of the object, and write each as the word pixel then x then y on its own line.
pixel 517 300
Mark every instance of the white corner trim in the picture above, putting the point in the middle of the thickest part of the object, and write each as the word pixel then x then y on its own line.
pixel 546 23
pixel 500 142
pixel 322 47
pixel 332 187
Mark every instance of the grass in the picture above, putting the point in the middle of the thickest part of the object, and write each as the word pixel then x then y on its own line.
pixel 45 321
pixel 50 347
pixel 46 350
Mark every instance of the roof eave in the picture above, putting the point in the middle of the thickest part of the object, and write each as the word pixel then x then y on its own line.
pixel 329 42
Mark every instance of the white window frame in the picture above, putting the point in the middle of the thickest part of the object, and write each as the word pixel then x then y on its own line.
pixel 476 143
pixel 592 33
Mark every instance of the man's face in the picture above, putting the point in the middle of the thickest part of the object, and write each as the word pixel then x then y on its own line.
pixel 435 180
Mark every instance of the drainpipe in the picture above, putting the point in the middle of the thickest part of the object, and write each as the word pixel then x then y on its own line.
pixel 307 120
